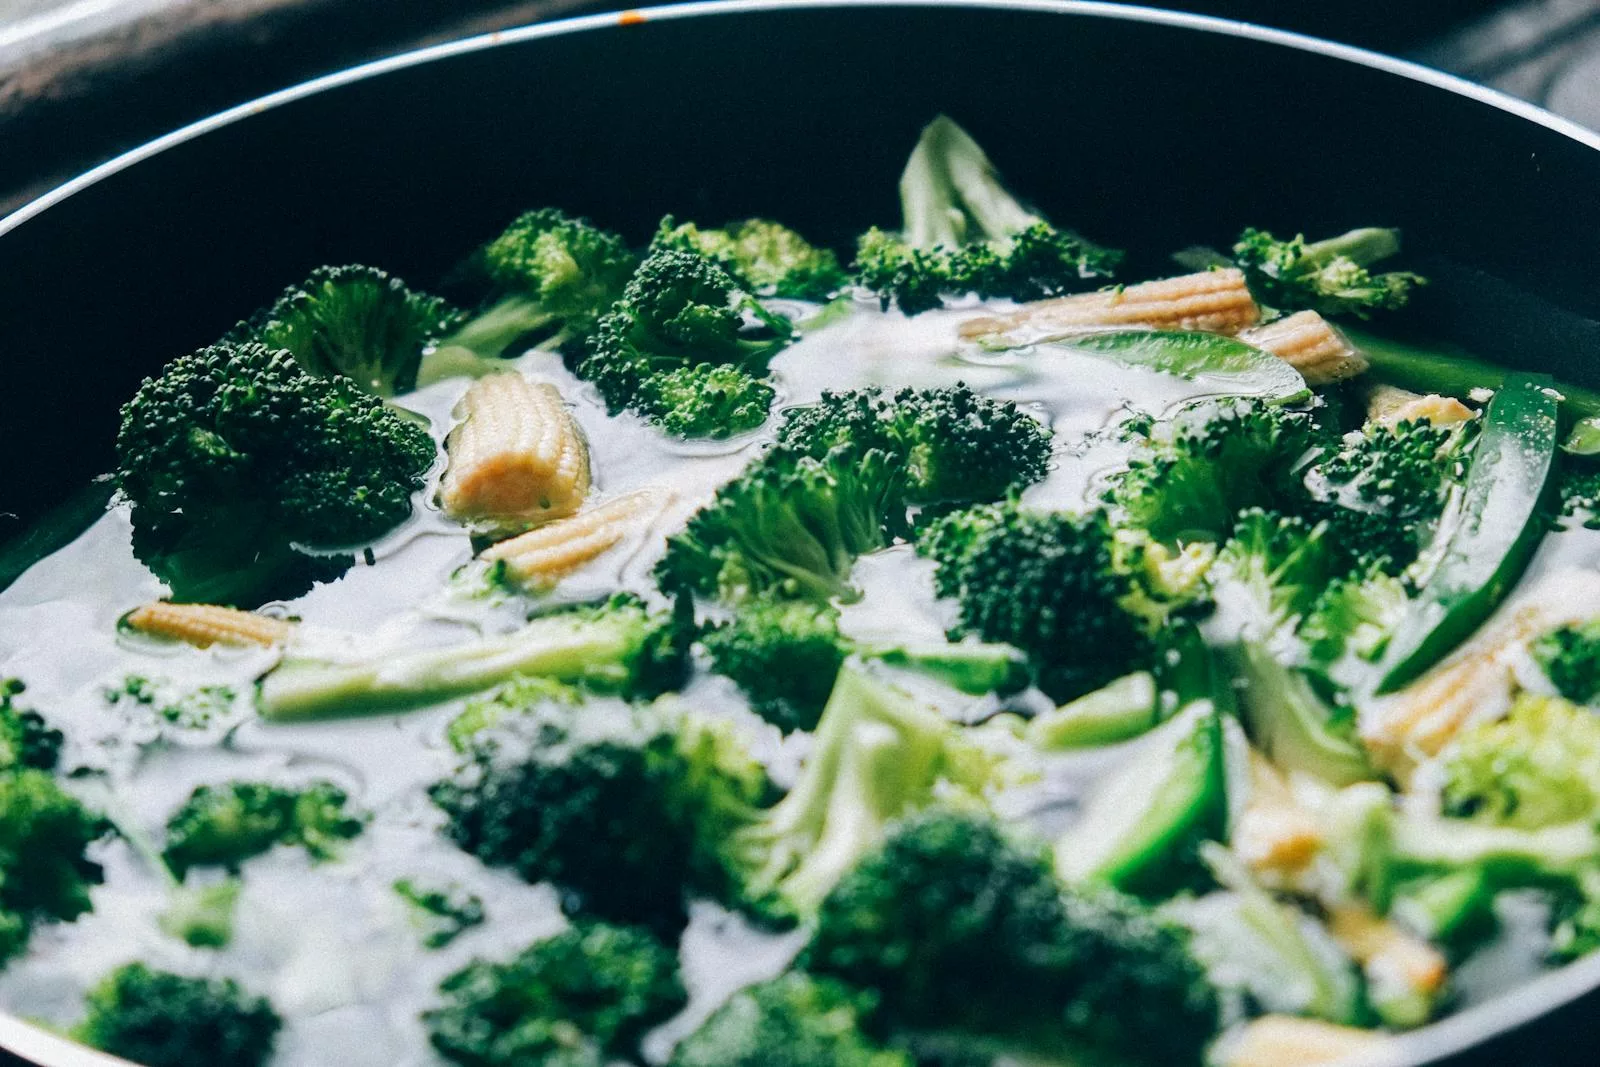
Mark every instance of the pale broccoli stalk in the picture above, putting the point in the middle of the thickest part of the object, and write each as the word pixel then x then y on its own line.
pixel 1294 726
pixel 877 755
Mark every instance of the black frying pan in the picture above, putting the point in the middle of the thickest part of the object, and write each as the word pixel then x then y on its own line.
pixel 1146 129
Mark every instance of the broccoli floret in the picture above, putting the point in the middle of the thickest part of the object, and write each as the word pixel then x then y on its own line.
pixel 1354 616
pixel 679 310
pixel 236 462
pixel 202 916
pixel 877 755
pixel 789 525
pixel 1570 658
pixel 1048 584
pixel 791 1021
pixel 765 257
pixel 552 275
pixel 1328 276
pixel 354 321
pixel 193 709
pixel 1289 721
pixel 442 913
pixel 169 1020
pixel 618 646
pixel 784 655
pixel 579 999
pixel 1271 571
pixel 520 695
pixel 1537 767
pixel 1191 477
pixel 955 927
pixel 1578 486
pixel 44 872
pixel 963 232
pixel 957 445
pixel 26 740
pixel 625 818
pixel 705 400
pixel 222 826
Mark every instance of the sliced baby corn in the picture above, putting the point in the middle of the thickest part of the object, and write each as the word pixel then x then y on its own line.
pixel 1275 836
pixel 540 558
pixel 1311 345
pixel 204 625
pixel 517 457
pixel 1285 1041
pixel 1390 406
pixel 1390 954
pixel 1213 301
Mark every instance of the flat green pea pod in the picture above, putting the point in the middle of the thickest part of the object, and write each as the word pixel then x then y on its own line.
pixel 1492 534
pixel 1225 364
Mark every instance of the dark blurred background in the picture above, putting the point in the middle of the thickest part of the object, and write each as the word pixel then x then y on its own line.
pixel 81 80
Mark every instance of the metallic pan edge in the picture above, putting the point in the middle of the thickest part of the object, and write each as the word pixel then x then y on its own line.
pixel 1429 1045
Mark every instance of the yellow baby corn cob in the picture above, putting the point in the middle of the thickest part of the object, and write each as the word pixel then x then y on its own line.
pixel 1274 834
pixel 1390 406
pixel 1285 1041
pixel 1214 301
pixel 517 457
pixel 540 558
pixel 1311 345
pixel 204 625
pixel 1387 949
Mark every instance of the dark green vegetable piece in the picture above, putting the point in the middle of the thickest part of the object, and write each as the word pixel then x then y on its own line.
pixel 192 709
pixel 1570 656
pixel 1293 725
pixel 1329 276
pixel 1488 544
pixel 222 826
pixel 167 1020
pixel 791 1021
pixel 443 913
pixel 26 740
pixel 235 460
pixel 579 999
pixel 354 321
pixel 766 257
pixel 44 873
pixel 705 400
pixel 202 916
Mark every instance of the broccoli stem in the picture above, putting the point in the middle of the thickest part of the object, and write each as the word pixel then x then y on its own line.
pixel 949 179
pixel 1292 724
pixel 1365 246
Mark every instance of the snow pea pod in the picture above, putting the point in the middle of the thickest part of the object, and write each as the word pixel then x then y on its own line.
pixel 1492 534
pixel 1225 364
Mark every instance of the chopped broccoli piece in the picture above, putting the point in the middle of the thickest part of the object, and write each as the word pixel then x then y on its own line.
pixel 963 232
pixel 1118 711
pixel 1537 767
pixel 168 1020
pixel 785 654
pixel 354 321
pixel 236 462
pixel 518 696
pixel 26 740
pixel 1328 276
pixel 626 818
pixel 1578 486
pixel 222 826
pixel 876 756
pixel 957 445
pixel 765 257
pixel 193 709
pixel 1271 571
pixel 679 310
pixel 552 276
pixel 1047 583
pixel 1354 616
pixel 1570 658
pixel 1576 928
pixel 789 525
pixel 442 913
pixel 1293 725
pixel 705 400
pixel 44 872
pixel 202 916
pixel 578 999
pixel 955 927
pixel 794 1020
pixel 619 646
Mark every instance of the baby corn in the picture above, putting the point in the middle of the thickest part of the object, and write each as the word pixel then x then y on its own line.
pixel 1311 345
pixel 517 457
pixel 204 625
pixel 1274 835
pixel 540 558
pixel 1390 406
pixel 1383 946
pixel 1285 1041
pixel 1213 301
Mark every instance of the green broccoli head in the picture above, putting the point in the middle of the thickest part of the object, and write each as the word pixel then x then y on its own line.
pixel 626 818
pixel 1189 478
pixel 766 257
pixel 441 913
pixel 44 871
pixel 579 999
pixel 784 655
pixel 1328 276
pixel 154 1017
pixel 1272 570
pixel 1537 767
pixel 235 461
pixel 794 1020
pixel 705 400
pixel 1354 616
pixel 354 321
pixel 956 927
pixel 957 445
pixel 1049 584
pixel 26 740
pixel 790 525
pixel 222 826
pixel 1570 658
